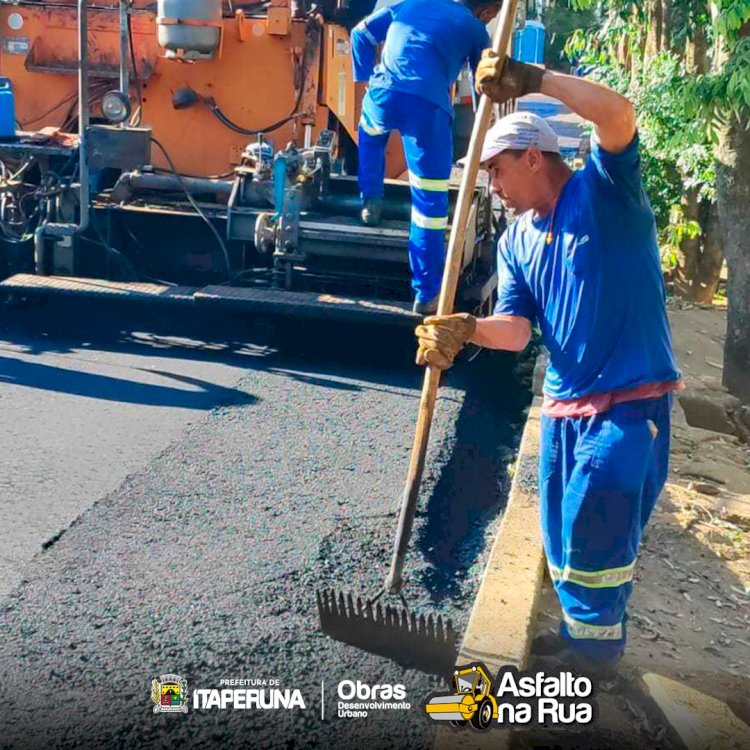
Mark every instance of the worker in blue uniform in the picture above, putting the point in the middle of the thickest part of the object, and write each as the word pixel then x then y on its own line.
pixel 581 262
pixel 425 44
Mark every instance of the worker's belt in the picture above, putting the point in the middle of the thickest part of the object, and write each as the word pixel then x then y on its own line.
pixel 428 222
pixel 578 630
pixel 424 183
pixel 593 579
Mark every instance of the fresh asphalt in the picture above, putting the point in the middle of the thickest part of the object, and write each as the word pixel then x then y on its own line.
pixel 83 405
pixel 175 492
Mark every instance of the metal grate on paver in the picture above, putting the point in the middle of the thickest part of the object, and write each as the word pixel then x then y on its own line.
pixel 308 304
pixel 30 283
pixel 270 301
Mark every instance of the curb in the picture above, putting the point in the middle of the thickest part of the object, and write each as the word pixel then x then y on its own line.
pixel 503 618
pixel 693 720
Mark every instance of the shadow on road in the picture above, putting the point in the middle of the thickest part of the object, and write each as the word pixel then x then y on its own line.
pixel 92 385
pixel 308 351
pixel 473 485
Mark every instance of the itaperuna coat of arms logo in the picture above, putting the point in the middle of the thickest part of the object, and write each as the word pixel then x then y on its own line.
pixel 169 694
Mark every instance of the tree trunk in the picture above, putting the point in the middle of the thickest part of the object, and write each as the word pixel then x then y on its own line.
pixel 733 196
pixel 521 13
pixel 711 258
pixel 621 49
pixel 696 52
pixel 654 18
pixel 690 247
pixel 666 26
pixel 637 46
pixel 700 257
pixel 622 54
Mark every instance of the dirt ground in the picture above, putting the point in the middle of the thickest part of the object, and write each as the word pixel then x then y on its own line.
pixel 690 611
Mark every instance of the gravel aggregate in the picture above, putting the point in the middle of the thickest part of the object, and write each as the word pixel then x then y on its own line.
pixel 205 561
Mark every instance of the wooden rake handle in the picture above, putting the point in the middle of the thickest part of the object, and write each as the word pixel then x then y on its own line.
pixel 500 43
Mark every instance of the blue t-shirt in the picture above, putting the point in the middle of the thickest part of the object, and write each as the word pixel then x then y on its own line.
pixel 597 290
pixel 426 43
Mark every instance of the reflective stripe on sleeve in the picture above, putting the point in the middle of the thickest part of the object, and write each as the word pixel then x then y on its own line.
pixel 438 186
pixel 578 630
pixel 428 222
pixel 370 38
pixel 593 579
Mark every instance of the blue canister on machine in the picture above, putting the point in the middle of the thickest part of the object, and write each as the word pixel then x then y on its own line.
pixel 7 109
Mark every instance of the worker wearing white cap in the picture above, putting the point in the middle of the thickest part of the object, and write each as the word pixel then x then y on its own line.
pixel 520 130
pixel 581 262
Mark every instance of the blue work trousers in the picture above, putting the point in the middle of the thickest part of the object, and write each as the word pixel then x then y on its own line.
pixel 428 146
pixel 599 480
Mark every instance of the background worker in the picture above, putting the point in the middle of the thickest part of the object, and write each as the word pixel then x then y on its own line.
pixel 426 43
pixel 581 261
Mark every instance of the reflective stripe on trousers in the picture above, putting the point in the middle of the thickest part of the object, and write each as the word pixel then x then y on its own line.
pixel 599 478
pixel 428 147
pixel 579 630
pixel 428 222
pixel 423 183
pixel 370 127
pixel 593 579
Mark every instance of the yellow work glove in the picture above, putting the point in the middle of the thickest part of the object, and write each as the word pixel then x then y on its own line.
pixel 502 83
pixel 441 338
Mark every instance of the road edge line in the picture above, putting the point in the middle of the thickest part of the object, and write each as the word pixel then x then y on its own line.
pixel 502 621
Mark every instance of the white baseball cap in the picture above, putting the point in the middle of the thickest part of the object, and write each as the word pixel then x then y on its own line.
pixel 518 131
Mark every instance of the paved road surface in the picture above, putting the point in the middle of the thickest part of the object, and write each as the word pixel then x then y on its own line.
pixel 204 559
pixel 82 409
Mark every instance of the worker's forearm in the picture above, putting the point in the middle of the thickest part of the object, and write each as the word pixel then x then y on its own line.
pixel 590 100
pixel 508 332
pixel 612 114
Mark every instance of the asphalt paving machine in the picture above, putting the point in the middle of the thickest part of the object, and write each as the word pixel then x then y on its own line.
pixel 202 152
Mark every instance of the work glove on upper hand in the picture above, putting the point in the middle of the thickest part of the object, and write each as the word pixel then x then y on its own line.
pixel 441 338
pixel 502 82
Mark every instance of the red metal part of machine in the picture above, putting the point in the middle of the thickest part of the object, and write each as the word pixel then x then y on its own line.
pixel 255 77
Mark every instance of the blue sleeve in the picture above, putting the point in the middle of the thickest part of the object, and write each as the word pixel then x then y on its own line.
pixel 618 174
pixel 366 36
pixel 513 294
pixel 481 42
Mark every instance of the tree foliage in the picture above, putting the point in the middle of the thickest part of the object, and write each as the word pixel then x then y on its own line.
pixel 560 23
pixel 685 64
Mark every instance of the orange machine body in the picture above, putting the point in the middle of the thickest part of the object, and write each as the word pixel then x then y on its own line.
pixel 254 78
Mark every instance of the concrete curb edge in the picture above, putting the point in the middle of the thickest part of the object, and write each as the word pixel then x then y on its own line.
pixel 502 620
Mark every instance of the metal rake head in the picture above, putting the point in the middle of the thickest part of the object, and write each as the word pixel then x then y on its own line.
pixel 418 641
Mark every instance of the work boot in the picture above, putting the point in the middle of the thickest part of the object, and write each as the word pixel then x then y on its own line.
pixel 568 658
pixel 426 308
pixel 370 213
